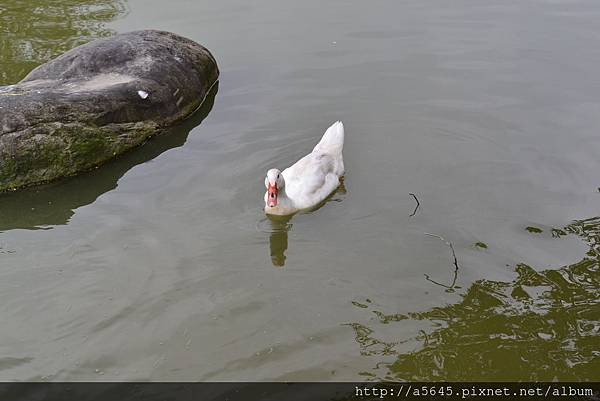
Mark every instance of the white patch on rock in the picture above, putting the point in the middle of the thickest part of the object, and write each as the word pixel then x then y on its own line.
pixel 99 82
pixel 143 94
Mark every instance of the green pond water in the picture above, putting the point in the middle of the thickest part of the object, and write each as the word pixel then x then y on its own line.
pixel 161 265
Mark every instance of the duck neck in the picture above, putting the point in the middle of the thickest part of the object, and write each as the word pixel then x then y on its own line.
pixel 282 199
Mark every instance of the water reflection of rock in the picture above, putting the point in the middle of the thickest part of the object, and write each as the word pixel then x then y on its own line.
pixel 54 203
pixel 542 326
pixel 34 33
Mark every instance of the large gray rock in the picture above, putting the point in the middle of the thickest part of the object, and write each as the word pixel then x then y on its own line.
pixel 97 101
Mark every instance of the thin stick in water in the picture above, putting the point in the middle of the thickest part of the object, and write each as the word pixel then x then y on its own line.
pixel 418 204
pixel 451 286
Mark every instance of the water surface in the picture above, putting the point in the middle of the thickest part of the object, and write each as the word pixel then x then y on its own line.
pixel 161 265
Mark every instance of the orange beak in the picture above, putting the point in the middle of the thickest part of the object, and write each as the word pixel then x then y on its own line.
pixel 272 195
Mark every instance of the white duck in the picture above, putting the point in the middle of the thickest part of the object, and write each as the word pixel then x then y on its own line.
pixel 310 180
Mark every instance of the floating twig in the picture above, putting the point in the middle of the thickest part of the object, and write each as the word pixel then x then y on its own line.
pixel 418 204
pixel 426 338
pixel 451 286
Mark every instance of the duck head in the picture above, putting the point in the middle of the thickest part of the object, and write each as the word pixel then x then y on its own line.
pixel 275 185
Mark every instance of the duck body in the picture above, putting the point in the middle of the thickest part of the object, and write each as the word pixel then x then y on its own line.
pixel 310 180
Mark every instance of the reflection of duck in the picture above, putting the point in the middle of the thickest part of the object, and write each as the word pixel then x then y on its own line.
pixel 54 203
pixel 280 226
pixel 310 180
pixel 278 239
